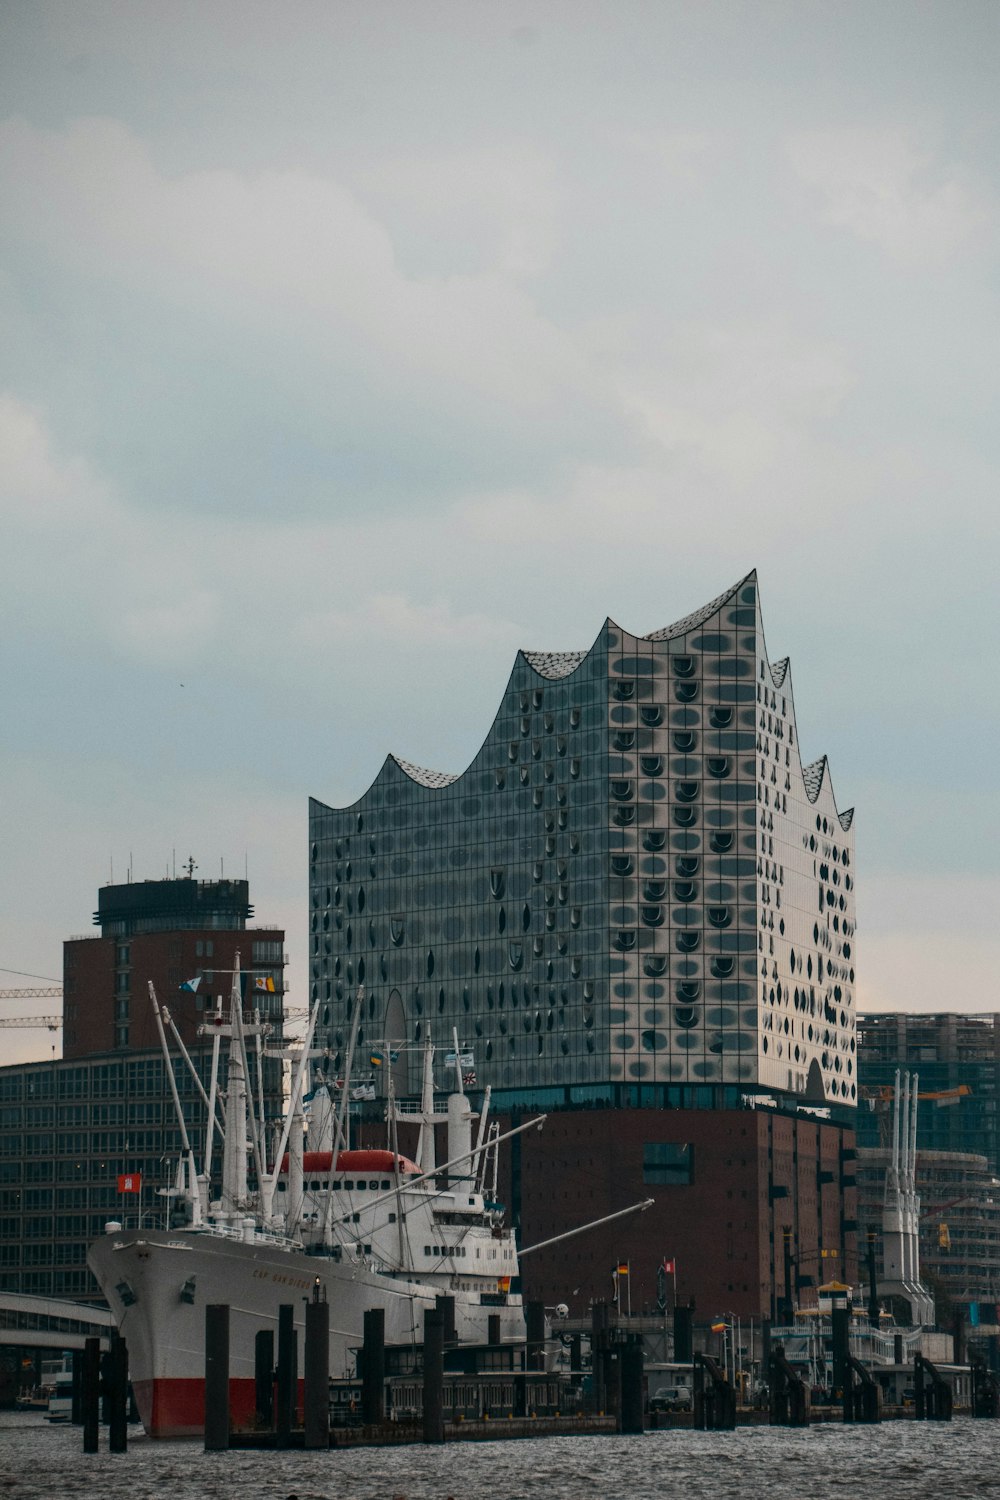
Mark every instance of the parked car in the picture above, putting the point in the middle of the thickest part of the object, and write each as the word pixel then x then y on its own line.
pixel 671 1398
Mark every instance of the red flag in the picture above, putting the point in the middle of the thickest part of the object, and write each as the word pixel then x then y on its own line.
pixel 130 1182
pixel 670 1266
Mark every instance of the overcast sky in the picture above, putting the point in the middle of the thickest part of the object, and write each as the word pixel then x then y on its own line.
pixel 346 348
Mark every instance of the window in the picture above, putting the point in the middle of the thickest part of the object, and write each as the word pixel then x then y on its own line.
pixel 667 1164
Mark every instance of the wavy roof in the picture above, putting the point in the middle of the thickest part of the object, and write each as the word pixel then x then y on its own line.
pixel 424 777
pixel 553 665
pixel 690 622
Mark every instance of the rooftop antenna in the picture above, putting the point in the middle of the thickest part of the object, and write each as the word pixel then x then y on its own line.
pixel 112 858
pixel 190 867
pixel 173 857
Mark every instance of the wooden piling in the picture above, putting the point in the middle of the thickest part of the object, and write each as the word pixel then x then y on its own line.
pixel 216 1377
pixel 373 1367
pixel 90 1404
pixel 316 1417
pixel 433 1421
pixel 118 1396
pixel 263 1370
pixel 287 1375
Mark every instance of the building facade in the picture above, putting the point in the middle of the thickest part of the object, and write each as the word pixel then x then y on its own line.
pixel 959 1228
pixel 957 1060
pixel 635 904
pixel 165 932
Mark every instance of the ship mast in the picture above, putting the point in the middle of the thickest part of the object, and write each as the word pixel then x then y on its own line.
pixel 190 1190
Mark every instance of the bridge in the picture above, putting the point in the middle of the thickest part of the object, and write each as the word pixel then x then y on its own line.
pixel 49 1323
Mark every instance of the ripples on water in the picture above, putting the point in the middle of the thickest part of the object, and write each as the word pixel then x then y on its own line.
pixel 950 1461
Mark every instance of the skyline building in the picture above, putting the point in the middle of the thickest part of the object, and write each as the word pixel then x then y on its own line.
pixel 636 910
pixel 636 886
pixel 169 932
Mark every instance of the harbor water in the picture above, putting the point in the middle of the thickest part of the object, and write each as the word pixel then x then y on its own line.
pixel 897 1460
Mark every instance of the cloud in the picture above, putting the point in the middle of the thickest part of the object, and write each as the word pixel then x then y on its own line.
pixel 139 586
pixel 679 158
pixel 880 186
pixel 392 370
pixel 395 620
pixel 482 206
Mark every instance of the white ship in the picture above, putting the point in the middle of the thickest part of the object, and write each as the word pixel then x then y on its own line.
pixel 369 1228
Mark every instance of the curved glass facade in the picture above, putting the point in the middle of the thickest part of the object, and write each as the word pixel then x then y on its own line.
pixel 635 883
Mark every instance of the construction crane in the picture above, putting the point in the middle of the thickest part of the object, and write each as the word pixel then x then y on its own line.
pixel 880 1096
pixel 52 992
pixel 884 1093
pixel 51 1023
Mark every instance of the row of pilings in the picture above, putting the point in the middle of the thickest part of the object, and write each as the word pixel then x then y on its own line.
pixel 101 1391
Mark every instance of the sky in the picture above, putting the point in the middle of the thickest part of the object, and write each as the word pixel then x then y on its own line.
pixel 345 348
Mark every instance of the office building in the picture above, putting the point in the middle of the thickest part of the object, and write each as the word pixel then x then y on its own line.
pixel 70 1128
pixel 168 933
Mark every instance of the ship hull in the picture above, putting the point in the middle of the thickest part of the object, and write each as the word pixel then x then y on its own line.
pixel 159 1284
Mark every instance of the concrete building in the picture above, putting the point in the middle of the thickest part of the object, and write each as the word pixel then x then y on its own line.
pixel 957 1058
pixel 636 904
pixel 959 1227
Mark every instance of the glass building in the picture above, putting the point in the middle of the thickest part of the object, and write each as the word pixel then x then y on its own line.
pixel 68 1130
pixel 635 894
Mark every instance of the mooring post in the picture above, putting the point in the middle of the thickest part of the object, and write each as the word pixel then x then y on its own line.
pixel 263 1377
pixel 873 1308
pixel 118 1396
pixel 287 1375
pixel 840 1323
pixel 433 1376
pixel 599 1354
pixel 76 1414
pixel 373 1367
pixel 919 1391
pixel 316 1417
pixel 216 1377
pixel 534 1318
pixel 630 1412
pixel 446 1307
pixel 683 1339
pixel 90 1401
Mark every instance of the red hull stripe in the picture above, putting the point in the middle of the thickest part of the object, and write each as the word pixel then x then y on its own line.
pixel 176 1408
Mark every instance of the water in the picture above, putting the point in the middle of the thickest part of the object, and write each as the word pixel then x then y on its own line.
pixel 948 1461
